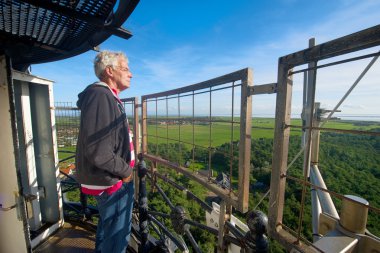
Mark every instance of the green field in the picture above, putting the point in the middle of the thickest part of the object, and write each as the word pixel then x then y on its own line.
pixel 219 133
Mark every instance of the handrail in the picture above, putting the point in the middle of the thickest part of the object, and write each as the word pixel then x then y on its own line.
pixel 237 75
pixel 203 180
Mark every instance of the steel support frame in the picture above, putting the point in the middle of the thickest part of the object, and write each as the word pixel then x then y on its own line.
pixel 354 42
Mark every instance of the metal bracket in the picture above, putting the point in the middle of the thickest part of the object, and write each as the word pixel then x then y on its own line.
pixel 30 197
pixel 5 209
pixel 40 194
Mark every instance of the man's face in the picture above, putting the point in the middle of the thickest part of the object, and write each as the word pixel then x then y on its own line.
pixel 122 75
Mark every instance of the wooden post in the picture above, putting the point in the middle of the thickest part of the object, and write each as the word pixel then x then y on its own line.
pixel 245 140
pixel 144 126
pixel 136 125
pixel 136 129
pixel 280 147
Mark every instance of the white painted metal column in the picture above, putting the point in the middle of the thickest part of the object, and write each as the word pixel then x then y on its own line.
pixel 38 169
pixel 28 161
pixel 13 237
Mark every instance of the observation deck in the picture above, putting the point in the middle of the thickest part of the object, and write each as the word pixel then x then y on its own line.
pixel 219 178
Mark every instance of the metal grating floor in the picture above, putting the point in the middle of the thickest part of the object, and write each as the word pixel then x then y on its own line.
pixel 72 238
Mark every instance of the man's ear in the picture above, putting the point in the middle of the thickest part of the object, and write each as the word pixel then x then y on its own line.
pixel 108 71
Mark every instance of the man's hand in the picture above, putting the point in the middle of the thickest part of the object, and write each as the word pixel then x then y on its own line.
pixel 128 179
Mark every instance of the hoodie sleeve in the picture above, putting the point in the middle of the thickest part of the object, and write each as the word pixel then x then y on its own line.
pixel 99 122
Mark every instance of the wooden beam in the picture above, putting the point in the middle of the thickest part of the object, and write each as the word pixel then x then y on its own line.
pixel 225 194
pixel 357 41
pixel 229 78
pixel 263 89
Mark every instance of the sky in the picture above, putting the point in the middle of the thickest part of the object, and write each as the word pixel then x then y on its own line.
pixel 179 43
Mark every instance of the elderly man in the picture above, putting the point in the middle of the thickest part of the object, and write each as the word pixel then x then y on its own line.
pixel 105 156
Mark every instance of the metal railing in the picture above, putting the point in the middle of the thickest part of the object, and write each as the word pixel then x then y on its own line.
pixel 171 118
pixel 311 127
pixel 178 219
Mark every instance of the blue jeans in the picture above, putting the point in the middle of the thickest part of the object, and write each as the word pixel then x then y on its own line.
pixel 115 220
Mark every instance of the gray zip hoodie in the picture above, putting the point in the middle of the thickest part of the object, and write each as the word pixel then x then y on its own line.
pixel 103 151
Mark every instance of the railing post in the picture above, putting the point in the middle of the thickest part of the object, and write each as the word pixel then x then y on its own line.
pixel 245 140
pixel 280 147
pixel 255 238
pixel 84 203
pixel 143 200
pixel 136 130
pixel 143 207
pixel 144 134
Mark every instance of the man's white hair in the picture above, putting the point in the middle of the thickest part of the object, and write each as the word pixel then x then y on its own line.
pixel 107 58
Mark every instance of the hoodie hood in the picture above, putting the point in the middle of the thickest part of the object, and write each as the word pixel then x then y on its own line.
pixel 82 95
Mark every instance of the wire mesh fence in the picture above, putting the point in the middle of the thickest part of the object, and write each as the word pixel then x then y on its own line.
pixel 186 129
pixel 67 123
